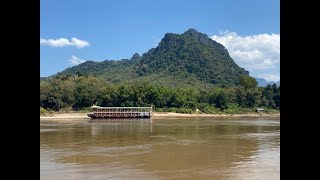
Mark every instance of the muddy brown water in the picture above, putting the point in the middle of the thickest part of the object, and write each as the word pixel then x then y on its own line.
pixel 199 148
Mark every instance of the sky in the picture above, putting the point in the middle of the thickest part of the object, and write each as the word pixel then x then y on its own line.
pixel 74 31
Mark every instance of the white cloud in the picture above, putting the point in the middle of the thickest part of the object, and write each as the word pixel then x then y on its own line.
pixel 75 60
pixel 62 42
pixel 259 54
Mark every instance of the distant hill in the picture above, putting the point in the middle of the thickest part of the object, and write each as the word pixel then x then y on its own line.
pixel 262 82
pixel 188 59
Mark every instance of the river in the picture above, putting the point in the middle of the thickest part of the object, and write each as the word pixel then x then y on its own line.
pixel 199 148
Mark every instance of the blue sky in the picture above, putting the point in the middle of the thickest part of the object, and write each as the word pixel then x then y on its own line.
pixel 105 29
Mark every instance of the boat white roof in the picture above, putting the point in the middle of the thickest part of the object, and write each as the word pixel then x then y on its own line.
pixel 120 107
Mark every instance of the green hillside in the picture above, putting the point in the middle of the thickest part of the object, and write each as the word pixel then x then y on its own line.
pixel 188 59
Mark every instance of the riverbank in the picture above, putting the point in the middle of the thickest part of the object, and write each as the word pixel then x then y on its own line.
pixel 165 115
pixel 180 115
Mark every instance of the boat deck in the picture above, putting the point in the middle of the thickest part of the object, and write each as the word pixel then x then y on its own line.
pixel 120 112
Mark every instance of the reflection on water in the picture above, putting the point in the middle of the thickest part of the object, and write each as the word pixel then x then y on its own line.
pixel 160 149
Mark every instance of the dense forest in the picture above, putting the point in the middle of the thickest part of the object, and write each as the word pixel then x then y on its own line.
pixel 186 73
pixel 187 59
pixel 79 92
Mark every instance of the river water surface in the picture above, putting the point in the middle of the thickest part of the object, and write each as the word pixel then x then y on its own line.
pixel 200 148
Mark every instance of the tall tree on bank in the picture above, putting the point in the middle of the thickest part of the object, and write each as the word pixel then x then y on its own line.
pixel 248 82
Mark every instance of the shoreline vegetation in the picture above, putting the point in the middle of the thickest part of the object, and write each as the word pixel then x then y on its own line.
pixel 79 94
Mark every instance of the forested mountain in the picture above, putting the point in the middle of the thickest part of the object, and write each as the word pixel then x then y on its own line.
pixel 262 82
pixel 183 73
pixel 187 59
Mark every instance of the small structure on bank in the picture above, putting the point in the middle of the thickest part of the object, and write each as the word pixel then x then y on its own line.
pixel 259 110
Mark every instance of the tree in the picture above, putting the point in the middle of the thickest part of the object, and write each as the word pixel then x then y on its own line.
pixel 221 100
pixel 248 82
pixel 275 88
pixel 276 99
pixel 241 97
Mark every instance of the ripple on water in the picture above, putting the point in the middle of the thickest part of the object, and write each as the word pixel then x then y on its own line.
pixel 174 140
pixel 48 130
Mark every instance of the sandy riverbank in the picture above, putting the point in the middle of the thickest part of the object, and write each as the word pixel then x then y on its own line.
pixel 165 115
pixel 180 115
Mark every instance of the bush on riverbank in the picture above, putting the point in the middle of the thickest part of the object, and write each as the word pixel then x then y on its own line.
pixel 42 110
pixel 270 111
pixel 175 110
pixel 45 112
